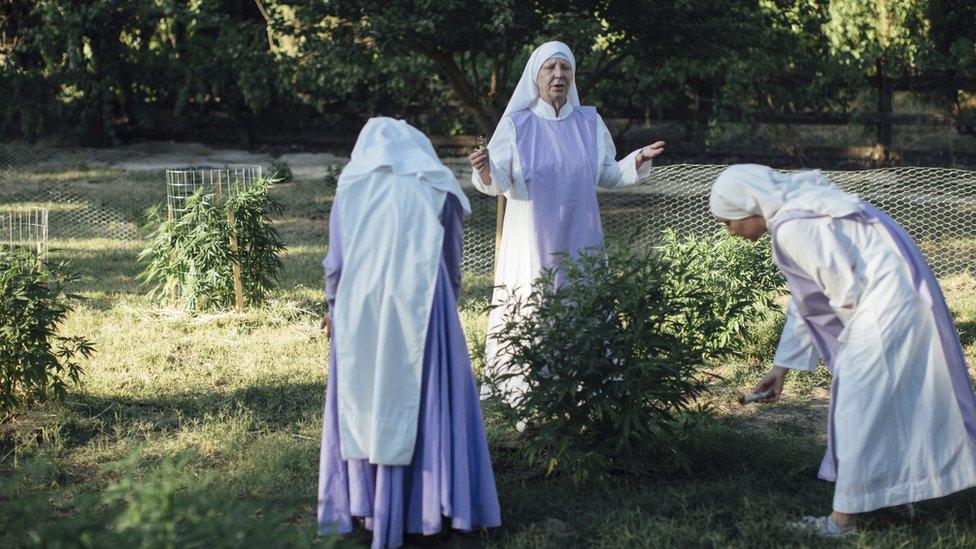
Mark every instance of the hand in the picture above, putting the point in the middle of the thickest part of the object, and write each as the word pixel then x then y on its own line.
pixel 773 381
pixel 651 151
pixel 325 325
pixel 479 161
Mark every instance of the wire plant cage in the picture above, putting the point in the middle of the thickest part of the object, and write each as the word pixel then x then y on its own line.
pixel 24 229
pixel 217 185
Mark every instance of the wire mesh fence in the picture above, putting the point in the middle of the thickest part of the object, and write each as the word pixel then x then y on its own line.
pixel 215 184
pixel 24 228
pixel 102 194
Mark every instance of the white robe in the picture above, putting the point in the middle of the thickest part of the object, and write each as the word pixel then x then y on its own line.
pixel 898 431
pixel 518 264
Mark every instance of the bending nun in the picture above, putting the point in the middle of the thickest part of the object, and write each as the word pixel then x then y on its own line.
pixel 902 423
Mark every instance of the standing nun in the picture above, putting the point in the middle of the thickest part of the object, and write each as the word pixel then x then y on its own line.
pixel 902 424
pixel 547 157
pixel 403 444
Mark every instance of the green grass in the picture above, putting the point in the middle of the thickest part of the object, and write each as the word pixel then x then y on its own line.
pixel 205 431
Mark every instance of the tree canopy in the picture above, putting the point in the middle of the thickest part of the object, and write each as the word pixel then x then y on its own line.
pixel 98 70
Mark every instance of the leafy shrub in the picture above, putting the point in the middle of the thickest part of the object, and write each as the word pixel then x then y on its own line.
pixel 744 282
pixel 332 175
pixel 612 358
pixel 189 258
pixel 258 241
pixel 35 362
pixel 281 171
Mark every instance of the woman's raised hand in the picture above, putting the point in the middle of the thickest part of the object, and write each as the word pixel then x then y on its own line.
pixel 479 161
pixel 651 151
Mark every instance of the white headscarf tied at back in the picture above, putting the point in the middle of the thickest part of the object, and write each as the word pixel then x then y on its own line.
pixel 387 144
pixel 745 190
pixel 389 202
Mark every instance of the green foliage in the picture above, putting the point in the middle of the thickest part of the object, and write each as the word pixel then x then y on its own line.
pixel 35 362
pixel 189 258
pixel 332 175
pixel 281 171
pixel 95 69
pixel 258 240
pixel 613 357
pixel 168 507
pixel 894 30
pixel 739 276
pixel 102 69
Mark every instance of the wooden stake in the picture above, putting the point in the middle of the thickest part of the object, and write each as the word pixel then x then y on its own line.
pixel 236 266
pixel 232 225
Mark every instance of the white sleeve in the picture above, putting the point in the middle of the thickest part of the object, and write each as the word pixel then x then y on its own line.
pixel 501 152
pixel 615 174
pixel 796 349
pixel 814 247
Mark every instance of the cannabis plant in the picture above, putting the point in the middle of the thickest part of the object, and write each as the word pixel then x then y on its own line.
pixel 189 258
pixel 612 358
pixel 35 361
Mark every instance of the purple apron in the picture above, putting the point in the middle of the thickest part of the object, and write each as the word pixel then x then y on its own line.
pixel 559 164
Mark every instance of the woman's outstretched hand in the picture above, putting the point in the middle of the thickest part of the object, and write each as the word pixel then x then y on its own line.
pixel 651 151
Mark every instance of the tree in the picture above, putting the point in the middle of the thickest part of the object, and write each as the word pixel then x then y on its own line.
pixel 475 47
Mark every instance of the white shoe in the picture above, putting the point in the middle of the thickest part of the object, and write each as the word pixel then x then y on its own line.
pixel 823 527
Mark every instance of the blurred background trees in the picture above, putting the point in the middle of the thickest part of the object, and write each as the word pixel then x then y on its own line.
pixel 101 71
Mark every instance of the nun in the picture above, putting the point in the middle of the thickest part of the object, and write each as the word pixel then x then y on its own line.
pixel 902 421
pixel 547 157
pixel 403 443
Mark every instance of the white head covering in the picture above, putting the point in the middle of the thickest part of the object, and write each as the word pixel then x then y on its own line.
pixel 527 91
pixel 745 190
pixel 387 144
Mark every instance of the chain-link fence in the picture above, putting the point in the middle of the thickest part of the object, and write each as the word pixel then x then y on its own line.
pixel 93 193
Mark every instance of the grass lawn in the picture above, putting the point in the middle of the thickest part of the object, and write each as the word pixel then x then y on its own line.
pixel 205 431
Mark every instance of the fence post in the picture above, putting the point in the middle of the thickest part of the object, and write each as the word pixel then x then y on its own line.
pixel 884 110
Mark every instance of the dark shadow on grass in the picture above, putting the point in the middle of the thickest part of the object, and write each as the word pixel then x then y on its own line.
pixel 967 332
pixel 742 487
pixel 273 406
pixel 110 271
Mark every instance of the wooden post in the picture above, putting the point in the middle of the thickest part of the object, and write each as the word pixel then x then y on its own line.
pixel 235 256
pixel 169 216
pixel 236 266
pixel 884 111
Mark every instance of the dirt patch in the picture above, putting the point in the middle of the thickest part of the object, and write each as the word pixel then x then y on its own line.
pixel 162 155
pixel 805 412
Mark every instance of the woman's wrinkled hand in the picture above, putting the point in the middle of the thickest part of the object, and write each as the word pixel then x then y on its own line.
pixel 653 150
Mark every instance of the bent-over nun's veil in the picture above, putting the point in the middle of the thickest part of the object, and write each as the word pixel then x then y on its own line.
pixel 745 190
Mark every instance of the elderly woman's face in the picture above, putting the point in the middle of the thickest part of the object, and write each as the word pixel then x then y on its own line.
pixel 554 80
